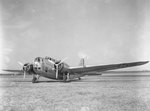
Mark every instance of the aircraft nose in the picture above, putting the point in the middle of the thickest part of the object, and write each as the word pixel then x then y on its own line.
pixel 37 65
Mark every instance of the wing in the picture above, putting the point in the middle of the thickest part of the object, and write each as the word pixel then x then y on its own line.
pixel 11 70
pixel 105 67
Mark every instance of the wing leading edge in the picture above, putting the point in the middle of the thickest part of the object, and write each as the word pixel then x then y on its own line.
pixel 102 68
pixel 9 70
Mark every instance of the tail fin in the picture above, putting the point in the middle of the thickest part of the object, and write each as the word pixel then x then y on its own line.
pixel 82 62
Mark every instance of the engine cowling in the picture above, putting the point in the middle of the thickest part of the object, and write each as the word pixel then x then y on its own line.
pixel 63 67
pixel 28 68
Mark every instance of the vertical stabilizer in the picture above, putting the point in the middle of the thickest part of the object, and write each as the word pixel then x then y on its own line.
pixel 82 62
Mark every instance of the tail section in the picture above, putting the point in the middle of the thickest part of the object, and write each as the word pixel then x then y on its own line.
pixel 82 62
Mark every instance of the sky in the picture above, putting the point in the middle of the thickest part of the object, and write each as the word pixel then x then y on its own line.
pixel 106 31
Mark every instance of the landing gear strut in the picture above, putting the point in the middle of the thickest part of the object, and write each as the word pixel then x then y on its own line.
pixel 65 77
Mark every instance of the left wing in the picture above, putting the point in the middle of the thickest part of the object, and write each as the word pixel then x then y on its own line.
pixel 104 67
pixel 11 70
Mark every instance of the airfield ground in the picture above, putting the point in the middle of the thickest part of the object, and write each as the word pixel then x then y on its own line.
pixel 92 93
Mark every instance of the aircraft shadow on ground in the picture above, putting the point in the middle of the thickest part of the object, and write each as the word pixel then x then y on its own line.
pixel 77 81
pixel 49 81
pixel 103 81
pixel 31 81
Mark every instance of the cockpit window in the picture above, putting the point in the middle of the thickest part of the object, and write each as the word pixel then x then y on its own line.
pixel 54 60
pixel 38 59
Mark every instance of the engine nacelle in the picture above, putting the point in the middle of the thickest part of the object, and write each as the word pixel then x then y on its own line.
pixel 63 67
pixel 28 67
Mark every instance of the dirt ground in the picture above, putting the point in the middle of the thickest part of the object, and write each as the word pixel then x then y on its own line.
pixel 91 93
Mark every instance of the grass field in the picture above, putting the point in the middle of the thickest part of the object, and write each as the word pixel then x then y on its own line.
pixel 92 93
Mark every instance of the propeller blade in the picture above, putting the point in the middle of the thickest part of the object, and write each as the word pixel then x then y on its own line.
pixel 62 60
pixel 20 63
pixel 58 65
pixel 83 55
pixel 24 74
pixel 51 61
pixel 56 71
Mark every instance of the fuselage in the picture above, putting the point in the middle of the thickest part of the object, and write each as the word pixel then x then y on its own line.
pixel 46 67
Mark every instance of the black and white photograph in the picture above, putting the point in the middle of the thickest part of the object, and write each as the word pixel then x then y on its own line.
pixel 74 55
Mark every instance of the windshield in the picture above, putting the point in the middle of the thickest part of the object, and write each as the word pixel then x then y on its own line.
pixel 38 59
pixel 54 60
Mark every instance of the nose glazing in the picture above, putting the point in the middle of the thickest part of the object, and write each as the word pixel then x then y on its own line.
pixel 37 65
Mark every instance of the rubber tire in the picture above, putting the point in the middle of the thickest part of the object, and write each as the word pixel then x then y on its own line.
pixel 34 80
pixel 64 78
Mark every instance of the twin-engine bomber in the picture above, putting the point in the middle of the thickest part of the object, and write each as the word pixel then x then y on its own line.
pixel 59 70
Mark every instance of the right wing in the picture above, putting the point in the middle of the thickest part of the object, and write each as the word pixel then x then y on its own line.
pixel 101 68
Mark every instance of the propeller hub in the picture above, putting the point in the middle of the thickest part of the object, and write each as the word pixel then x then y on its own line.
pixel 57 65
pixel 27 67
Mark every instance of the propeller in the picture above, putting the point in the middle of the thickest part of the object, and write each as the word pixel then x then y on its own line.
pixel 24 74
pixel 57 66
pixel 83 55
pixel 25 68
pixel 20 63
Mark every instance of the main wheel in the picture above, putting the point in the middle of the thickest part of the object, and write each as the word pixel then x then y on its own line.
pixel 64 77
pixel 34 80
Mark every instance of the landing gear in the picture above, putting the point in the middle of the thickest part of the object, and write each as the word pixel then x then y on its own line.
pixel 35 78
pixel 65 77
